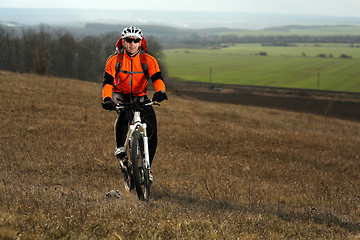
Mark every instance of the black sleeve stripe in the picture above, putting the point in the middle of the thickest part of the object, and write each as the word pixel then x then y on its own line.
pixel 156 76
pixel 108 79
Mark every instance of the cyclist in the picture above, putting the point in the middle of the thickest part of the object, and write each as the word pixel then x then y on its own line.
pixel 130 82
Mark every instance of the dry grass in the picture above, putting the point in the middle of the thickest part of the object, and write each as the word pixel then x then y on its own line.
pixel 221 171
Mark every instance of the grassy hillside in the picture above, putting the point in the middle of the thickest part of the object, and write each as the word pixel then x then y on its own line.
pixel 221 171
pixel 292 67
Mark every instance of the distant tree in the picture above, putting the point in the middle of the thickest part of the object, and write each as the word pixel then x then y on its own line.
pixel 40 60
pixel 89 65
pixel 65 48
pixel 155 49
pixel 7 48
pixel 153 46
pixel 322 55
pixel 108 42
pixel 36 47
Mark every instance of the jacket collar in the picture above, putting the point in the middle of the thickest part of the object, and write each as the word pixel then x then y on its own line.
pixel 131 56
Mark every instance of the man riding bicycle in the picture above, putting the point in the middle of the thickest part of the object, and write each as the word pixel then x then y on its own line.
pixel 126 76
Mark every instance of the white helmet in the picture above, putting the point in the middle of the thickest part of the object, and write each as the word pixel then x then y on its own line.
pixel 132 32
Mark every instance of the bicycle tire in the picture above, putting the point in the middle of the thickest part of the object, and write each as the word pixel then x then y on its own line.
pixel 141 175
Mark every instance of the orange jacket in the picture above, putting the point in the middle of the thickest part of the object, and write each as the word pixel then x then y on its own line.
pixel 131 79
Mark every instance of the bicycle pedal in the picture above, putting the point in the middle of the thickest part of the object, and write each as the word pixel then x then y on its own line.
pixel 120 153
pixel 124 163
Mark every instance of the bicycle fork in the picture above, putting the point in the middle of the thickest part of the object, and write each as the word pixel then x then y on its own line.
pixel 135 127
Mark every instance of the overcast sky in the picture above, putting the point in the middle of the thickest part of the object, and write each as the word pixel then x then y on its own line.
pixel 311 7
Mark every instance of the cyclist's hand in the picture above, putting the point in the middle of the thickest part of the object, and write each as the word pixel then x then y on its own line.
pixel 108 104
pixel 159 96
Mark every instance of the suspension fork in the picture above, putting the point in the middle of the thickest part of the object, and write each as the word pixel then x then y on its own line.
pixel 133 127
pixel 146 151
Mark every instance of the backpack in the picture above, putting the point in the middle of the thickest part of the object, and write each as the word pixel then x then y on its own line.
pixel 120 55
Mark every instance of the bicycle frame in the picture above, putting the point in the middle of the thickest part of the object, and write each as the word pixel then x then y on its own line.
pixel 137 125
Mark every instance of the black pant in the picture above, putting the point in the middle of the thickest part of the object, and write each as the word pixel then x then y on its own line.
pixel 122 123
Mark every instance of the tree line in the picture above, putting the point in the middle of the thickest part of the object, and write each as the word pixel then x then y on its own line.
pixel 60 53
pixel 271 39
pixel 195 40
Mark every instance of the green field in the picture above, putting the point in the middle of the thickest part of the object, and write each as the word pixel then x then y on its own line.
pixel 292 67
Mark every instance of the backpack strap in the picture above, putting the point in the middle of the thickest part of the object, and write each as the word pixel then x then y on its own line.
pixel 120 57
pixel 144 63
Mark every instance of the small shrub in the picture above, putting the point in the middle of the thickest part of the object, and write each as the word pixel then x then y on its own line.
pixel 322 55
pixel 345 56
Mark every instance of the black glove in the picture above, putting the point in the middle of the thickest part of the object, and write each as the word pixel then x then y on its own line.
pixel 108 104
pixel 159 96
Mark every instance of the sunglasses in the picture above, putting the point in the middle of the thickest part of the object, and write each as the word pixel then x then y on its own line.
pixel 130 40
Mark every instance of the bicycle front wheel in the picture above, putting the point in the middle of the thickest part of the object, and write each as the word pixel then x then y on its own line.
pixel 141 174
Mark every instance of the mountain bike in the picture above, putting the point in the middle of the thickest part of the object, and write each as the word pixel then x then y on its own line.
pixel 136 164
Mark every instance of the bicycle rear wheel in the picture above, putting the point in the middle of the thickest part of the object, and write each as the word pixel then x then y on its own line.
pixel 141 174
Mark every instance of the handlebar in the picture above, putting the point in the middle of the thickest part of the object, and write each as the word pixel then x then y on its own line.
pixel 134 105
